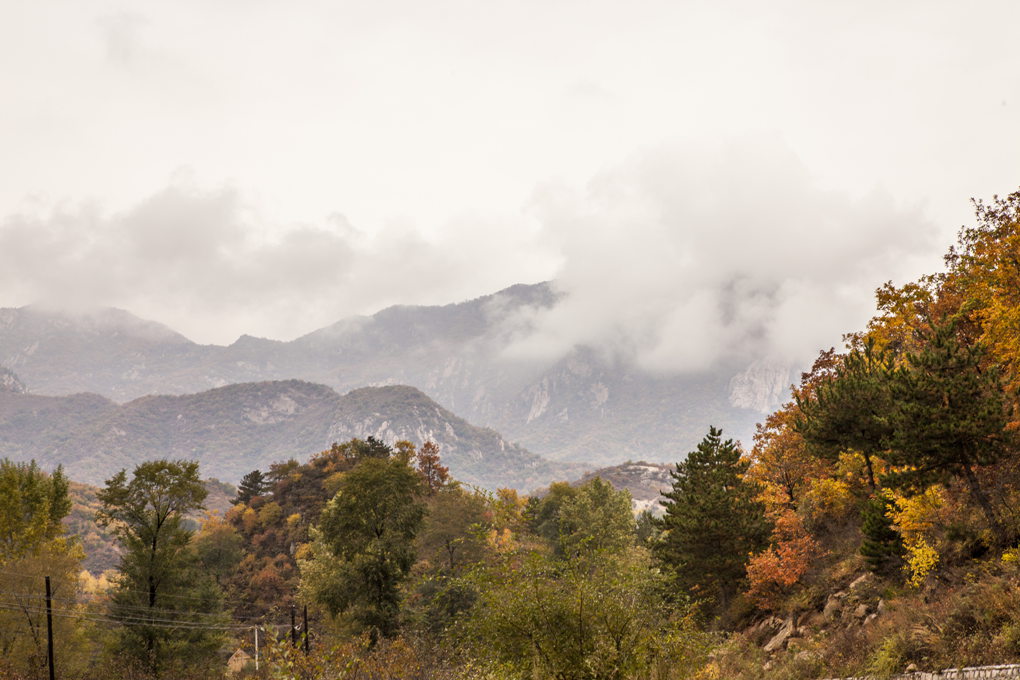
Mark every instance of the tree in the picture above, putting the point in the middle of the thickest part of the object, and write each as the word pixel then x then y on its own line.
pixel 218 546
pixel 33 545
pixel 252 484
pixel 882 546
pixel 364 545
pixel 773 572
pixel 434 475
pixel 713 521
pixel 850 409
pixel 600 616
pixel 168 606
pixel 598 518
pixel 543 513
pixel 949 418
pixel 32 504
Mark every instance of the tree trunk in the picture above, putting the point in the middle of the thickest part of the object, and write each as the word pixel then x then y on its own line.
pixel 1001 535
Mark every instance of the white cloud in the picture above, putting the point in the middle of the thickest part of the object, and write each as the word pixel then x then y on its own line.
pixel 206 262
pixel 691 254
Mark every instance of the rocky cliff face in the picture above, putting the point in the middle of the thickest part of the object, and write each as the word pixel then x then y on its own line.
pixel 646 483
pixel 763 386
pixel 9 382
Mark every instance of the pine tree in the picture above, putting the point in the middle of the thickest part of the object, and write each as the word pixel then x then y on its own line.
pixel 849 410
pixel 252 484
pixel 949 418
pixel 882 546
pixel 713 522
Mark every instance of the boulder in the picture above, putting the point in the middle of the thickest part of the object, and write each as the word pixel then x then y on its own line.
pixel 780 638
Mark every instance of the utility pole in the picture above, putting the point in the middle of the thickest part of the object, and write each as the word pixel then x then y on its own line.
pixel 49 629
pixel 306 629
pixel 256 647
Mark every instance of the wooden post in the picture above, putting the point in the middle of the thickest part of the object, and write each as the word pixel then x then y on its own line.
pixel 306 628
pixel 49 629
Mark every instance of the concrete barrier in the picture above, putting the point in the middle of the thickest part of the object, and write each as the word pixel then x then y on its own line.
pixel 972 673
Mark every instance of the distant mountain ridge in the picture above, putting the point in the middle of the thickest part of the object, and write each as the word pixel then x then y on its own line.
pixel 232 430
pixel 582 407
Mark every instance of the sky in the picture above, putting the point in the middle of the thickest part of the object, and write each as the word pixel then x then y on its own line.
pixel 698 178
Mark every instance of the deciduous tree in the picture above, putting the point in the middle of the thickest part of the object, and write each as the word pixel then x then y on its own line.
pixel 168 606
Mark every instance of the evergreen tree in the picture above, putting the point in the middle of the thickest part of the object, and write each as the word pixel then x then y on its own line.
pixel 168 605
pixel 882 545
pixel 949 418
pixel 252 484
pixel 849 410
pixel 713 522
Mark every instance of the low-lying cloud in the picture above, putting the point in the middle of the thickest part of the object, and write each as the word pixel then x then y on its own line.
pixel 688 255
pixel 204 262
pixel 676 259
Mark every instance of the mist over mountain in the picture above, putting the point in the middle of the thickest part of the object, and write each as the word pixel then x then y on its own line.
pixel 586 406
pixel 232 430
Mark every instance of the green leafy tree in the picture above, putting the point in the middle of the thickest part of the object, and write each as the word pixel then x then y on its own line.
pixel 218 546
pixel 167 604
pixel 33 545
pixel 32 504
pixel 543 512
pixel 712 523
pixel 580 618
pixel 364 545
pixel 452 542
pixel 597 518
pixel 949 418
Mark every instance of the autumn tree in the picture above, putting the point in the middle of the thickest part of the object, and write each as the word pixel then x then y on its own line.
pixel 713 521
pixel 169 607
pixel 773 572
pixel 433 473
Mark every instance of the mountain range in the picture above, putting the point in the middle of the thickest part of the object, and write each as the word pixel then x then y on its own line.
pixel 234 429
pixel 583 407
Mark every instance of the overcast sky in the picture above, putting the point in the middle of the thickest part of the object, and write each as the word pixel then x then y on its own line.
pixel 699 177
